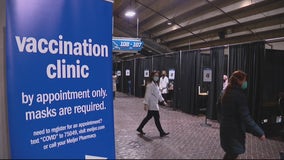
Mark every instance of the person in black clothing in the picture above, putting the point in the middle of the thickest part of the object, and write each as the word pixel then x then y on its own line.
pixel 235 117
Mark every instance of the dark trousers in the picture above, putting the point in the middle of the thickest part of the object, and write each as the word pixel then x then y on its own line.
pixel 156 116
pixel 165 96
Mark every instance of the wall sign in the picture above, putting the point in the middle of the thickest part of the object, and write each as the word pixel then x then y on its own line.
pixel 207 75
pixel 59 97
pixel 127 72
pixel 171 74
pixel 118 73
pixel 146 73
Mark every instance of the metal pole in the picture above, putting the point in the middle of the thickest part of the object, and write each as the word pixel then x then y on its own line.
pixel 137 24
pixel 112 25
pixel 4 132
pixel 152 63
pixel 122 76
pixel 228 60
pixel 134 75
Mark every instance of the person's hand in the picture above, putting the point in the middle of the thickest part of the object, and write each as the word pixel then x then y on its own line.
pixel 262 137
pixel 165 103
pixel 145 107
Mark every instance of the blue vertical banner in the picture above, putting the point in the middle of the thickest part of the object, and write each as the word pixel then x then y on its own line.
pixel 59 84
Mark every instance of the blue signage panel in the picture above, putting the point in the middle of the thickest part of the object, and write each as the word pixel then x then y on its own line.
pixel 127 44
pixel 59 83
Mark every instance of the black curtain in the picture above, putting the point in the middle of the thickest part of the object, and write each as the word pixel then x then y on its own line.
pixel 250 59
pixel 273 89
pixel 216 85
pixel 158 62
pixel 141 66
pixel 128 81
pixel 274 75
pixel 187 78
pixel 165 62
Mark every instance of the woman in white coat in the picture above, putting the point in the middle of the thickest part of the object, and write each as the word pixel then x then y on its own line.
pixel 151 99
pixel 163 85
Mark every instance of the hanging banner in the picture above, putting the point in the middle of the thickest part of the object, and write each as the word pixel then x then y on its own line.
pixel 59 79
pixel 126 44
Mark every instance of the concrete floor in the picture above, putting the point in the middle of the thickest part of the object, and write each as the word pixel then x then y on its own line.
pixel 188 138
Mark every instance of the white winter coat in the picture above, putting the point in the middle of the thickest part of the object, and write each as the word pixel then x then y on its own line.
pixel 152 96
pixel 164 82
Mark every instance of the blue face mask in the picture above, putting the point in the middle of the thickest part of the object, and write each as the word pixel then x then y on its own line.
pixel 156 78
pixel 245 85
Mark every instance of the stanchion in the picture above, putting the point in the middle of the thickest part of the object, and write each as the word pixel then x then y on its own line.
pixel 205 124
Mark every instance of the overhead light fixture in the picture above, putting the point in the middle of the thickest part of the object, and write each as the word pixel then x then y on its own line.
pixel 169 23
pixel 174 27
pixel 229 31
pixel 130 13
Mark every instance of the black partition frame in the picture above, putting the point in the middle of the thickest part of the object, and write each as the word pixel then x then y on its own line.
pixel 189 65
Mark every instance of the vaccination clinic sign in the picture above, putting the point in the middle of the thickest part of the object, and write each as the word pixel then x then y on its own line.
pixel 59 67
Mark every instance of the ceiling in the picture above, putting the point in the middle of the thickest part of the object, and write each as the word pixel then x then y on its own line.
pixel 196 24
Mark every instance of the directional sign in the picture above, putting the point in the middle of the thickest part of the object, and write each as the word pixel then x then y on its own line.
pixel 126 44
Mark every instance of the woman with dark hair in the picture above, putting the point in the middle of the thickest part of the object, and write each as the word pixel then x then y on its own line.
pixel 235 117
pixel 151 100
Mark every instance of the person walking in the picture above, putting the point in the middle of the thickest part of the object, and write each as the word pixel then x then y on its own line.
pixel 235 117
pixel 151 100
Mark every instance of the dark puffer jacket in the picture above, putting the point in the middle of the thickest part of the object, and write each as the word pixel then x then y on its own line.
pixel 235 121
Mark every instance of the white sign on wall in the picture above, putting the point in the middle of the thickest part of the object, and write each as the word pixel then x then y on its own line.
pixel 127 72
pixel 146 73
pixel 118 73
pixel 207 75
pixel 171 74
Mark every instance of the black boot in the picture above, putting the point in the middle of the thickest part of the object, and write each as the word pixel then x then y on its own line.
pixel 140 131
pixel 164 134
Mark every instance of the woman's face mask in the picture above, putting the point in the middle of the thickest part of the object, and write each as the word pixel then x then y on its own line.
pixel 156 78
pixel 245 85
